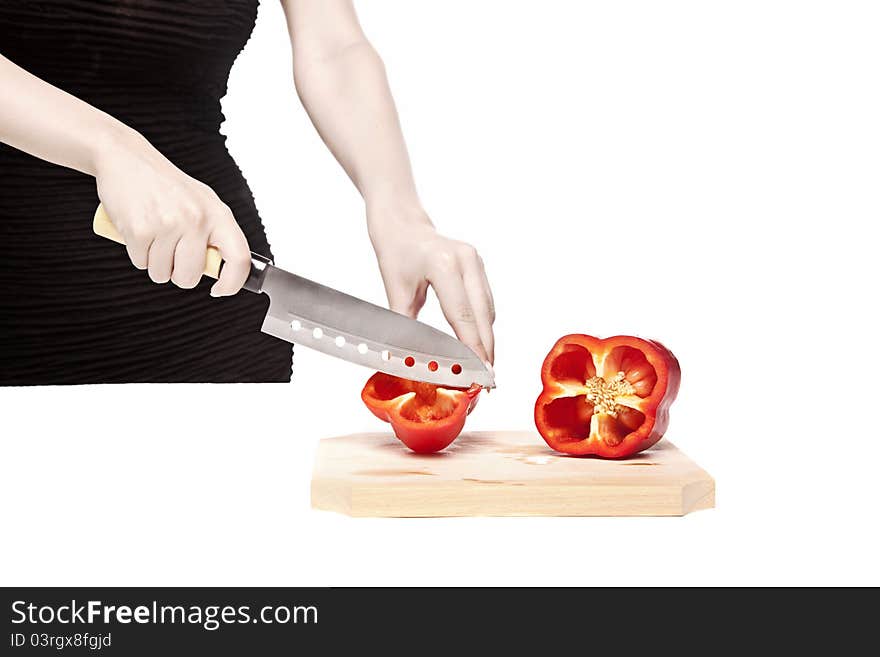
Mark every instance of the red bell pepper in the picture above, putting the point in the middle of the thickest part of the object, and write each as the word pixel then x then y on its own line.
pixel 424 416
pixel 608 398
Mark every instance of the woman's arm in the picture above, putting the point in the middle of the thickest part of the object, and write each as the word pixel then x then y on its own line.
pixel 342 84
pixel 166 217
pixel 52 125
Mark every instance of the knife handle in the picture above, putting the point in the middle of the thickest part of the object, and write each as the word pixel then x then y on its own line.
pixel 103 226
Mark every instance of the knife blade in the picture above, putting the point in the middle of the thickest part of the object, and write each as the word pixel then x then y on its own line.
pixel 307 313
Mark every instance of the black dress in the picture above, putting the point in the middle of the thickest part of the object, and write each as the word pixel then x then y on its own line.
pixel 73 309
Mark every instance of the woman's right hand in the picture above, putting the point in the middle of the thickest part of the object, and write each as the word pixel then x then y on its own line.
pixel 169 219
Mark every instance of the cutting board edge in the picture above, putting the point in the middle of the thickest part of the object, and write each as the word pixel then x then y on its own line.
pixel 691 491
pixel 323 494
pixel 698 495
pixel 454 501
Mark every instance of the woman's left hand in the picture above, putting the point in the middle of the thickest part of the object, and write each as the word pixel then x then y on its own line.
pixel 412 256
pixel 342 84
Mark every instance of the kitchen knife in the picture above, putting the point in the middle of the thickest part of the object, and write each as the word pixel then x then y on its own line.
pixel 344 326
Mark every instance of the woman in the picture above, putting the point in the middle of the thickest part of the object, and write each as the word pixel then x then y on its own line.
pixel 119 101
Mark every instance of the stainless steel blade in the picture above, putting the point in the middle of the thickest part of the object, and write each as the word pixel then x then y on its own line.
pixel 344 326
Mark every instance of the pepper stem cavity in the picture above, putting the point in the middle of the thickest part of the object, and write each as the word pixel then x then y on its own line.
pixel 604 395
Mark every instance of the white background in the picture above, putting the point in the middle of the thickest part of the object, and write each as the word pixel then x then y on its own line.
pixel 703 173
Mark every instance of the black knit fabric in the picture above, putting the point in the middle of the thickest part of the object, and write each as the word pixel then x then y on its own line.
pixel 72 307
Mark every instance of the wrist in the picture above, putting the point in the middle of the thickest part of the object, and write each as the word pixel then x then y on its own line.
pixel 396 212
pixel 393 219
pixel 391 197
pixel 114 142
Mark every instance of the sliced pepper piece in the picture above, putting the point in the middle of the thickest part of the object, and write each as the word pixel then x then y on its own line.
pixel 425 417
pixel 606 397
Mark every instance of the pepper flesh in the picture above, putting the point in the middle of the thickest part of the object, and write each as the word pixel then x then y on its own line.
pixel 606 397
pixel 425 417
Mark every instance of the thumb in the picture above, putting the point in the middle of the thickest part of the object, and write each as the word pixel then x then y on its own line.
pixel 233 248
pixel 404 300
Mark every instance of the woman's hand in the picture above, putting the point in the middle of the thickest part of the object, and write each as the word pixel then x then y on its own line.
pixel 168 219
pixel 412 256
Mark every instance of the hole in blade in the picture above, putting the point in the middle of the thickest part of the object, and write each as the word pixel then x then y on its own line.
pixel 433 366
pixel 317 333
pixel 340 341
pixel 456 369
pixel 386 355
pixel 296 325
pixel 362 348
pixel 409 361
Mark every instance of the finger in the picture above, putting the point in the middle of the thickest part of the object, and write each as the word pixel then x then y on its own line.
pixel 457 309
pixel 475 286
pixel 491 298
pixel 137 244
pixel 400 301
pixel 161 259
pixel 189 261
pixel 488 290
pixel 236 254
pixel 139 253
pixel 405 300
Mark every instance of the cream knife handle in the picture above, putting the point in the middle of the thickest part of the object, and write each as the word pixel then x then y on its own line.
pixel 103 226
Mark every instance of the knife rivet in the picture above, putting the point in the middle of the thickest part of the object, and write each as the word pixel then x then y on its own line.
pixel 296 325
pixel 362 348
pixel 340 341
pixel 317 333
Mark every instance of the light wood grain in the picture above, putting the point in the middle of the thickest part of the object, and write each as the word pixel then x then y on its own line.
pixel 502 473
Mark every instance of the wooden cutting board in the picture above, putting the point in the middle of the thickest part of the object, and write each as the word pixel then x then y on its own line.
pixel 501 473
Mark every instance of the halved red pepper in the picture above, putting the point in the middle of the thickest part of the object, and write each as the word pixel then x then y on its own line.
pixel 609 398
pixel 424 416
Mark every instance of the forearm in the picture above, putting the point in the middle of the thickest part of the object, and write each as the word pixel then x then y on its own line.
pixel 346 93
pixel 341 82
pixel 50 124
